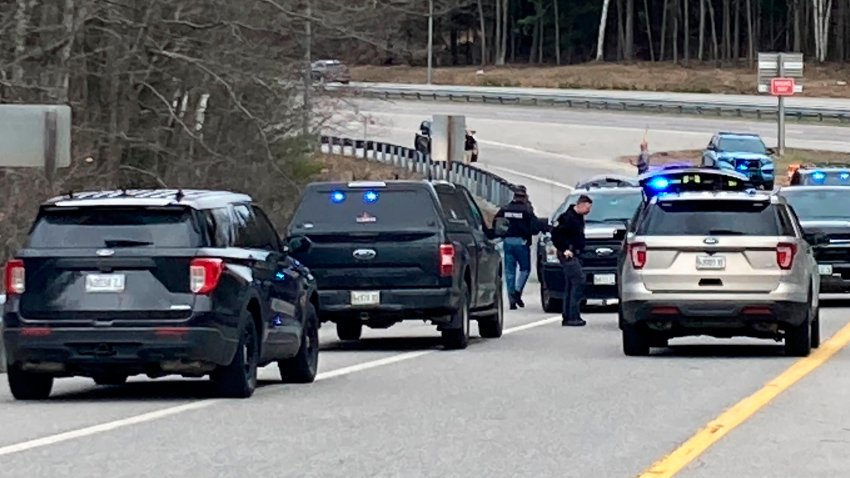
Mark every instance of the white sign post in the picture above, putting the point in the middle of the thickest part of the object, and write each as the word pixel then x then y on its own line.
pixel 35 136
pixel 781 75
pixel 448 136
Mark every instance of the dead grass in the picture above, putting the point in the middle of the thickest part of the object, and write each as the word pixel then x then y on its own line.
pixel 792 156
pixel 821 80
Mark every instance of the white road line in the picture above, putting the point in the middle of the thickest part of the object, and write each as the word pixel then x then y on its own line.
pixel 171 411
pixel 530 176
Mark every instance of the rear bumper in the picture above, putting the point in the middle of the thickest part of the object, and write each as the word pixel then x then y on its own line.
pixel 85 351
pixel 398 304
pixel 552 279
pixel 695 316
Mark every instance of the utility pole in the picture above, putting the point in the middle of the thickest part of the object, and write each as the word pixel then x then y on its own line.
pixel 430 38
pixel 308 67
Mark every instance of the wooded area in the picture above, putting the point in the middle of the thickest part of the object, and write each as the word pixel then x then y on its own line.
pixel 576 31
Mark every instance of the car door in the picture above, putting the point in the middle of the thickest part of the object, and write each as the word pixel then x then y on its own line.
pixel 490 258
pixel 460 230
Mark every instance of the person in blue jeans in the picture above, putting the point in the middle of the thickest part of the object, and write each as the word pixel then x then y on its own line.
pixel 519 225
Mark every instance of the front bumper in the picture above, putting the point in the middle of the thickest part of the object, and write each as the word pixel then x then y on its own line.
pixel 837 280
pixel 394 304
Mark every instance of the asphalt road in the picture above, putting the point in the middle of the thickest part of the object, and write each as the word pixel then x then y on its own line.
pixel 541 401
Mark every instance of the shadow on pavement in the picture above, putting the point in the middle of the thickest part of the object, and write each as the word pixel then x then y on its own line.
pixel 152 390
pixel 731 351
pixel 391 344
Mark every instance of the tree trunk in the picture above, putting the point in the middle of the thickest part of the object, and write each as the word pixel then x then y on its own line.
pixel 750 34
pixel 483 32
pixel 629 52
pixel 663 30
pixel 557 19
pixel 621 31
pixel 798 44
pixel 497 34
pixel 727 29
pixel 686 19
pixel 542 41
pixel 701 29
pixel 600 38
pixel 715 47
pixel 676 33
pixel 648 14
pixel 737 46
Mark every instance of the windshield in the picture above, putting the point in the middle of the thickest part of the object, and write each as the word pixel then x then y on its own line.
pixel 606 207
pixel 824 204
pixel 114 227
pixel 742 145
pixel 356 209
pixel 710 218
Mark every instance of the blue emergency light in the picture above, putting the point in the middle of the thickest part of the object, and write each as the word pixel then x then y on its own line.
pixel 844 176
pixel 337 197
pixel 370 196
pixel 818 176
pixel 742 167
pixel 659 183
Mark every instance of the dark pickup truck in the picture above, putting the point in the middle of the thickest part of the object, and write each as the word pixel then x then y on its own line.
pixel 384 252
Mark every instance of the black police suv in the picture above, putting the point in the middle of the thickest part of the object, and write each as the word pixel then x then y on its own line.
pixel 158 282
pixel 389 251
pixel 826 175
pixel 823 215
pixel 605 226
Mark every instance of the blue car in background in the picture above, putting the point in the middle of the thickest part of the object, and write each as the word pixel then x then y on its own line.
pixel 744 153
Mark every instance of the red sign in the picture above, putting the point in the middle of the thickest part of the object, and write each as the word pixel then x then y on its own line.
pixel 782 86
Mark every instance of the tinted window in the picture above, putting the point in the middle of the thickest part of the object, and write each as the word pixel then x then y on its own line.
pixel 456 207
pixel 710 218
pixel 114 227
pixel 265 235
pixel 819 204
pixel 606 207
pixel 356 209
pixel 742 145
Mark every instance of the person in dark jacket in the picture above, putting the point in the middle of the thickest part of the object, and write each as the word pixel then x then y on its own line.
pixel 519 226
pixel 568 239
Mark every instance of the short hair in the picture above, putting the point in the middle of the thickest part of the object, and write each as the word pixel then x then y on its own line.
pixel 584 199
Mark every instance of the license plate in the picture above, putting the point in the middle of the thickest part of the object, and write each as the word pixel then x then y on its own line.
pixel 604 279
pixel 825 269
pixel 711 262
pixel 361 298
pixel 105 283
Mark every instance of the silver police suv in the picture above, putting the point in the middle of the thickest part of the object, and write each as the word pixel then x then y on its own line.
pixel 718 263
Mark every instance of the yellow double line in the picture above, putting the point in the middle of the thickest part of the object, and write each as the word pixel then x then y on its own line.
pixel 746 408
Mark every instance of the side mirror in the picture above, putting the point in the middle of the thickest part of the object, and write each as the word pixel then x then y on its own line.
pixel 711 147
pixel 298 245
pixel 816 238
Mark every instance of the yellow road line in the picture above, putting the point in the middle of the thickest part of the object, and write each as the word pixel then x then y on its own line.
pixel 746 408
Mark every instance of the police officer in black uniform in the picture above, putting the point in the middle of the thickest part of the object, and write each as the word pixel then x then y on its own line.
pixel 568 239
pixel 520 225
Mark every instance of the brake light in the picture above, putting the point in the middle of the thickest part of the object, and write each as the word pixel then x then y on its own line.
pixel 447 260
pixel 637 252
pixel 204 275
pixel 15 277
pixel 785 252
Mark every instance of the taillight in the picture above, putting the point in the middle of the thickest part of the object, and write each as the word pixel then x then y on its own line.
pixel 785 252
pixel 204 275
pixel 637 252
pixel 15 277
pixel 447 260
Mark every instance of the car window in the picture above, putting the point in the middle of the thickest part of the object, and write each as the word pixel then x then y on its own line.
pixel 711 218
pixel 742 145
pixel 819 204
pixel 354 209
pixel 478 218
pixel 266 235
pixel 110 227
pixel 455 206
pixel 619 207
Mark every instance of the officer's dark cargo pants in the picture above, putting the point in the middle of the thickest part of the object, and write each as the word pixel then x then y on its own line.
pixel 573 289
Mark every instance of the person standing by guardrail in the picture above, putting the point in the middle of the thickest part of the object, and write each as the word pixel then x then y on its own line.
pixel 518 226
pixel 470 148
pixel 568 239
pixel 642 161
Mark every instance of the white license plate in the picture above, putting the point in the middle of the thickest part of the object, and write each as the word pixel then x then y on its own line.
pixel 825 269
pixel 105 282
pixel 711 262
pixel 604 279
pixel 362 298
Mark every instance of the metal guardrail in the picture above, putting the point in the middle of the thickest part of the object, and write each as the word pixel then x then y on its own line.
pixel 586 101
pixel 480 182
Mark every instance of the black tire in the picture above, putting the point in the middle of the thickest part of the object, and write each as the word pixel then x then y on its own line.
pixel 238 379
pixel 29 385
pixel 305 365
pixel 769 186
pixel 349 329
pixel 491 327
pixel 635 341
pixel 798 339
pixel 550 305
pixel 815 337
pixel 110 379
pixel 458 339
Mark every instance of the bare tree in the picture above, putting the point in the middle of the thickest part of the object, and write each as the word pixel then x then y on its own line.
pixel 600 41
